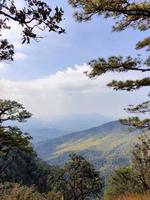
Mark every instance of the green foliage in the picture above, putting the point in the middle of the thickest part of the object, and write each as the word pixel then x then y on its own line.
pixel 130 85
pixel 11 191
pixel 126 14
pixel 120 183
pixel 18 161
pixel 12 110
pixel 137 122
pixel 115 64
pixel 134 179
pixel 143 43
pixel 40 174
pixel 12 141
pixel 80 179
pixel 141 163
pixel 55 180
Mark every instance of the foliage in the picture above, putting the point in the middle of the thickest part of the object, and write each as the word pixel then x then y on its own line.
pixel 55 179
pixel 12 110
pixel 77 180
pixel 19 163
pixel 128 12
pixel 120 183
pixel 135 14
pixel 40 175
pixel 12 141
pixel 80 179
pixel 18 160
pixel 141 163
pixel 35 16
pixel 10 191
pixel 135 179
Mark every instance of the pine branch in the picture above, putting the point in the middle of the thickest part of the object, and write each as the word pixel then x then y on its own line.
pixel 141 108
pixel 116 64
pixel 144 43
pixel 130 14
pixel 137 123
pixel 130 85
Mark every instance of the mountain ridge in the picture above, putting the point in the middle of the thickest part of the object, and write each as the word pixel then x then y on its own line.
pixel 106 146
pixel 87 130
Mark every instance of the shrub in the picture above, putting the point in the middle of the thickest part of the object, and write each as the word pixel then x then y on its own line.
pixel 11 191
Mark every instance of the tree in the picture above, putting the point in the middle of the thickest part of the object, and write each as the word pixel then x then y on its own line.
pixel 12 140
pixel 35 16
pixel 135 178
pixel 80 179
pixel 141 163
pixel 40 173
pixel 18 160
pixel 120 183
pixel 13 143
pixel 135 14
pixel 12 111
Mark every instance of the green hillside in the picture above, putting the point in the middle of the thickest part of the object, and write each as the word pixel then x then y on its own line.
pixel 107 146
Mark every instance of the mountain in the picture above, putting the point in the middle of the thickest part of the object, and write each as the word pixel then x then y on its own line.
pixel 107 146
pixel 78 122
pixel 42 130
pixel 42 134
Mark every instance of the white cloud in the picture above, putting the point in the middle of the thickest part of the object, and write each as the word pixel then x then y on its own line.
pixel 68 92
pixel 2 65
pixel 20 56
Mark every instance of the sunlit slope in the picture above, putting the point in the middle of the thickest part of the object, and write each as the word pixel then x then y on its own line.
pixel 107 146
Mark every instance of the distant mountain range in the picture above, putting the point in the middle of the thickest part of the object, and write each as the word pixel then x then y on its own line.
pixel 54 128
pixel 107 146
pixel 43 134
pixel 40 131
pixel 79 122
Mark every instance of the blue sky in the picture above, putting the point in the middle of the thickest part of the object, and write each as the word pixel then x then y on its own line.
pixel 81 43
pixel 49 61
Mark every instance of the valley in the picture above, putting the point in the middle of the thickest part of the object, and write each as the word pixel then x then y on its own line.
pixel 106 146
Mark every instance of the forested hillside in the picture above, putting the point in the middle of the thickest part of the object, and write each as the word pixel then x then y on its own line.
pixel 107 146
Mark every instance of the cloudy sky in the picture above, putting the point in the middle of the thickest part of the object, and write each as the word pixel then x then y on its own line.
pixel 48 76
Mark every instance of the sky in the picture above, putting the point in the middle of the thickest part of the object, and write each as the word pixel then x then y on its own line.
pixel 48 76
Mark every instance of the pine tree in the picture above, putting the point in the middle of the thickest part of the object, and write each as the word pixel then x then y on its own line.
pixel 12 139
